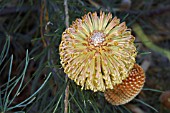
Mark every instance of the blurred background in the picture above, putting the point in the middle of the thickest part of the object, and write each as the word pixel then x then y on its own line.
pixel 32 79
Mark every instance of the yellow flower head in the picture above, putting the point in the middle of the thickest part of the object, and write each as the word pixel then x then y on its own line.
pixel 97 52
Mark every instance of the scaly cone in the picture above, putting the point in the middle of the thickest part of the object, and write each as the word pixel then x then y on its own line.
pixel 128 89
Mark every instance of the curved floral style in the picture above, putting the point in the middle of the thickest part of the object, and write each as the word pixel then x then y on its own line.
pixel 128 89
pixel 97 52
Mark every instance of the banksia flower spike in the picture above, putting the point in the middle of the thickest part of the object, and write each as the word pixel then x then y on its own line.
pixel 128 89
pixel 97 52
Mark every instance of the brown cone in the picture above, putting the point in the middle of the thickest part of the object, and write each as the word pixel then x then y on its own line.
pixel 128 89
pixel 165 99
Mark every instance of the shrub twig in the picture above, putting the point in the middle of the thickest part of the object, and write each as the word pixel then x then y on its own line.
pixel 67 87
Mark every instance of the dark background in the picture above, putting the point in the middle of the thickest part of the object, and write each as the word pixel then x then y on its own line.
pixel 37 26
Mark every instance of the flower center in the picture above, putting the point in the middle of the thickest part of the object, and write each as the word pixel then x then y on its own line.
pixel 97 38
